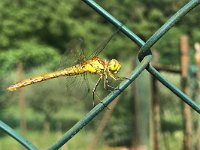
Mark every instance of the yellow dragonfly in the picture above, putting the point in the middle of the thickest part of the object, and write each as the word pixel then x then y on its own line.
pixel 94 65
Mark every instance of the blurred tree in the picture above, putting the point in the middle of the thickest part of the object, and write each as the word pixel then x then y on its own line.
pixel 37 32
pixel 30 54
pixel 53 23
pixel 49 99
pixel 47 21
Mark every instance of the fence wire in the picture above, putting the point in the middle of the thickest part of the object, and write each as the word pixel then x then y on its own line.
pixel 145 57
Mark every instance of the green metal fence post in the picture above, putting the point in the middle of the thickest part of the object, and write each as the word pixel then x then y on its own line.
pixel 168 25
pixel 144 56
pixel 98 108
pixel 17 136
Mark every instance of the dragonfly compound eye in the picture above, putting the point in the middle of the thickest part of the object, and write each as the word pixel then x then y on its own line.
pixel 114 66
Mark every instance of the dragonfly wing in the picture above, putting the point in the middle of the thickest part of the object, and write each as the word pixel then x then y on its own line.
pixel 74 53
pixel 78 86
pixel 104 43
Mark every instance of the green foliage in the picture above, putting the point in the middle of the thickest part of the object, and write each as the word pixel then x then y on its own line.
pixel 37 33
pixel 4 102
pixel 119 131
pixel 49 99
pixel 55 22
pixel 44 20
pixel 31 55
pixel 44 141
pixel 168 47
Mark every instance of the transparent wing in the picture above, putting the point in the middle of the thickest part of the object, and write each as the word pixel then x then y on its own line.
pixel 104 43
pixel 77 86
pixel 74 54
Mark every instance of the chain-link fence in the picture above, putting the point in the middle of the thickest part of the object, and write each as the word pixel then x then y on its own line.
pixel 145 57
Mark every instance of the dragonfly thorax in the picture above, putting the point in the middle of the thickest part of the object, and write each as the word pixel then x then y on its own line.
pixel 114 66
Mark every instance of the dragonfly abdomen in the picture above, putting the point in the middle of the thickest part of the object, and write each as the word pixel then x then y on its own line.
pixel 74 70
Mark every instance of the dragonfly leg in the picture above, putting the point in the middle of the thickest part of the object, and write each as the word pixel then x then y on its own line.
pixel 106 84
pixel 95 88
pixel 117 78
pixel 121 78
pixel 94 92
pixel 87 82
pixel 101 101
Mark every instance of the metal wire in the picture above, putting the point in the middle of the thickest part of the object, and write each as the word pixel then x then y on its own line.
pixel 144 56
pixel 17 136
pixel 174 89
pixel 98 108
pixel 168 25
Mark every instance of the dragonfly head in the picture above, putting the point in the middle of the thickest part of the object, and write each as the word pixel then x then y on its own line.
pixel 114 66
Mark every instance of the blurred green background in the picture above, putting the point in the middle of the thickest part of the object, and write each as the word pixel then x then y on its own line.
pixel 38 35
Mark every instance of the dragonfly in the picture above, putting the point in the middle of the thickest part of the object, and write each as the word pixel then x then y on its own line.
pixel 94 65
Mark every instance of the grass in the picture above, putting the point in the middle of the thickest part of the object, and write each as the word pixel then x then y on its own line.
pixel 44 140
pixel 68 115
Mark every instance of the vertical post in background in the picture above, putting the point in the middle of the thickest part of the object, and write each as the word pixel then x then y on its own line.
pixel 141 109
pixel 197 61
pixel 197 54
pixel 136 141
pixel 155 115
pixel 155 108
pixel 22 104
pixel 187 115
